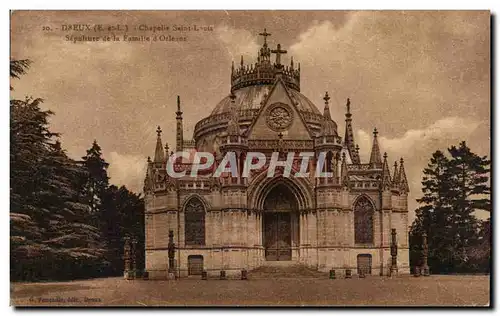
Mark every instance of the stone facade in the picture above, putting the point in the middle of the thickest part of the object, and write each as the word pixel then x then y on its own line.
pixel 342 221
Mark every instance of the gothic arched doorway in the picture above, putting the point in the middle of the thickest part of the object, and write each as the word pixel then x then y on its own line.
pixel 280 224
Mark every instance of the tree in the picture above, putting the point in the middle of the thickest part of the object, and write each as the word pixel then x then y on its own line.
pixel 434 214
pixel 51 236
pixel 453 189
pixel 123 216
pixel 470 192
pixel 97 180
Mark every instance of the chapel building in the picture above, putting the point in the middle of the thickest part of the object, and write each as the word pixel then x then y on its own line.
pixel 233 223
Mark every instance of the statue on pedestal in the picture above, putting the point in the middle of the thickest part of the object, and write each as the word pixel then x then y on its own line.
pixel 126 257
pixel 171 252
pixel 394 253
pixel 425 254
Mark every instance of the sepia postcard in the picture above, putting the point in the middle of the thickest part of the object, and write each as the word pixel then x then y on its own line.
pixel 250 158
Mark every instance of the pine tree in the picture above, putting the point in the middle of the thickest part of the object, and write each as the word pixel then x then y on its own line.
pixel 123 216
pixel 453 189
pixel 433 217
pixel 97 180
pixel 471 192
pixel 51 235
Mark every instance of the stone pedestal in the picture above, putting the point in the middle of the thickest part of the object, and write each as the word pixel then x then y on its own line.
pixel 394 254
pixel 171 252
pixel 425 253
pixel 126 258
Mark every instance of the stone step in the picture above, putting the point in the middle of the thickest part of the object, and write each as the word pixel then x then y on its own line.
pixel 273 269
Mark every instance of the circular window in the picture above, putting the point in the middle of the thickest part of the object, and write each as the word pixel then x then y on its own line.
pixel 279 117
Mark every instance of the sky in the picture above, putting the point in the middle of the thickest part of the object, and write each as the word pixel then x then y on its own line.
pixel 422 78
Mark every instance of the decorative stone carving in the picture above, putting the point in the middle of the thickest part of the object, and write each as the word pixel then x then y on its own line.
pixel 279 117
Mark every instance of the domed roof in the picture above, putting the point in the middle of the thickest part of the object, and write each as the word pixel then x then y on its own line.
pixel 250 97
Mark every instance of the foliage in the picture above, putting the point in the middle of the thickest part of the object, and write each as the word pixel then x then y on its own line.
pixel 454 187
pixel 56 230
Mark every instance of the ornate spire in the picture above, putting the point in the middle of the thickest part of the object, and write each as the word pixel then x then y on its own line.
pixel 375 159
pixel 344 179
pixel 166 151
pixel 159 155
pixel 179 136
pixel 386 175
pixel 263 72
pixel 403 182
pixel 328 127
pixel 291 62
pixel 395 176
pixel 326 111
pixel 349 135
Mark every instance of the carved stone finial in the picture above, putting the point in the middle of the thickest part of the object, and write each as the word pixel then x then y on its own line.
pixel 158 131
pixel 149 159
pixel 326 97
pixel 385 156
pixel 375 132
pixel 348 105
pixel 401 161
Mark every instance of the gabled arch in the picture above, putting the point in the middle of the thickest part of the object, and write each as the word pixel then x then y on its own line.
pixel 205 203
pixel 261 185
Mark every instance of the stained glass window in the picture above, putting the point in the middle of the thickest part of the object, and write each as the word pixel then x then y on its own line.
pixel 194 222
pixel 363 221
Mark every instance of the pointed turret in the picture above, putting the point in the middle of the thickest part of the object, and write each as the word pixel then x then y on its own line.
pixel 326 110
pixel 167 154
pixel 241 63
pixel 403 182
pixel 179 138
pixel 159 155
pixel 386 175
pixel 375 159
pixel 349 135
pixel 395 176
pixel 328 127
pixel 343 171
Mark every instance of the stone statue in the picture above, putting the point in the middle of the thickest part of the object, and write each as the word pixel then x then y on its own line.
pixel 171 252
pixel 394 253
pixel 425 254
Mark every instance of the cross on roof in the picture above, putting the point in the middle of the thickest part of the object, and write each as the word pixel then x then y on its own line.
pixel 278 51
pixel 265 35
